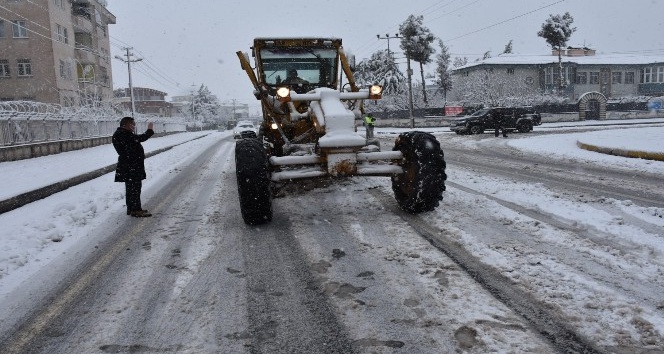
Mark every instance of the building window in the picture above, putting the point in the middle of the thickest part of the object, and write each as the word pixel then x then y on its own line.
pixel 660 74
pixel 2 29
pixel 616 77
pixel 582 77
pixel 65 70
pixel 24 67
pixel 548 76
pixel 61 33
pixel 19 29
pixel 629 77
pixel 59 3
pixel 594 78
pixel 646 76
pixel 4 68
pixel 510 71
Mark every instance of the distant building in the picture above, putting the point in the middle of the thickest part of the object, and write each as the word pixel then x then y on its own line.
pixel 586 75
pixel 146 101
pixel 55 51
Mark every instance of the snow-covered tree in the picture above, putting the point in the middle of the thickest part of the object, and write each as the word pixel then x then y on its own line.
pixel 206 107
pixel 416 43
pixel 443 79
pixel 508 48
pixel 485 87
pixel 486 55
pixel 382 70
pixel 459 62
pixel 557 30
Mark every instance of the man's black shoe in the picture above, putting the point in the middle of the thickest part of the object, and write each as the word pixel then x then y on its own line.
pixel 140 214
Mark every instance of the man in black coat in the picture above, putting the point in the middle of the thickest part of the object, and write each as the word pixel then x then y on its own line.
pixel 499 123
pixel 130 168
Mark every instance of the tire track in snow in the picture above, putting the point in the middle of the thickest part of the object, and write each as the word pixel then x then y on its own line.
pixel 539 315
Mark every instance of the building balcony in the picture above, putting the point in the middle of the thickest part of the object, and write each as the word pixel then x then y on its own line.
pixel 84 55
pixel 82 23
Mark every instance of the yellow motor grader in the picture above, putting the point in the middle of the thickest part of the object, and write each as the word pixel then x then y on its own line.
pixel 308 130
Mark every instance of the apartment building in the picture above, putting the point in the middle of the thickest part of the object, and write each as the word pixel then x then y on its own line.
pixel 55 51
pixel 587 77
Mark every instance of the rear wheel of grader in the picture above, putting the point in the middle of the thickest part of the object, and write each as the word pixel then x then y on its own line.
pixel 253 181
pixel 420 187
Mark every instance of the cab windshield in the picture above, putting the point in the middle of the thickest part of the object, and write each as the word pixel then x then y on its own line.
pixel 318 66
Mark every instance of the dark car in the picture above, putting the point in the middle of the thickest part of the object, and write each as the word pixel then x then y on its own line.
pixel 521 119
pixel 530 112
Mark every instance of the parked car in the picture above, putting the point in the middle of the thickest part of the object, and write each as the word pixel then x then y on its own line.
pixel 244 129
pixel 530 112
pixel 521 119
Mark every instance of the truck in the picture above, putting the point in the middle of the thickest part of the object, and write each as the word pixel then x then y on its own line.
pixel 308 130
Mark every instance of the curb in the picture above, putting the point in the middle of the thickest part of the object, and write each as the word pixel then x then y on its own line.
pixel 657 156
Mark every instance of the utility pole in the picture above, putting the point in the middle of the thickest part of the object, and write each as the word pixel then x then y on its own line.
pixel 388 37
pixel 410 92
pixel 193 100
pixel 131 88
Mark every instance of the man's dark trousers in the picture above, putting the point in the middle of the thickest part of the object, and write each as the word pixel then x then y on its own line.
pixel 133 192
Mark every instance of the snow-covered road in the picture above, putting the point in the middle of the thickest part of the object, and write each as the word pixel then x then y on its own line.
pixel 594 262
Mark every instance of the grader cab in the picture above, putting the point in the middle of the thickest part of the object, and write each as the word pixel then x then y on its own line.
pixel 308 130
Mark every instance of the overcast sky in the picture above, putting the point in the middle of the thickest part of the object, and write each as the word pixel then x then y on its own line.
pixel 185 43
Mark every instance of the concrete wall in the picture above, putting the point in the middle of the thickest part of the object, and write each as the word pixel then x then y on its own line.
pixel 28 151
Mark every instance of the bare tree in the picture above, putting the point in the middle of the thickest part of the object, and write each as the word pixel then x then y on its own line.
pixel 491 89
pixel 557 30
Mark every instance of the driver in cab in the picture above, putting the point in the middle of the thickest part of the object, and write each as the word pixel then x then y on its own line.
pixel 293 79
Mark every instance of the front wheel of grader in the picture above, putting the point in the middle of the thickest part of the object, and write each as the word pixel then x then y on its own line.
pixel 420 187
pixel 253 181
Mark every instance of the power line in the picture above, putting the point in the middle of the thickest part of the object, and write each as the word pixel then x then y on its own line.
pixel 505 21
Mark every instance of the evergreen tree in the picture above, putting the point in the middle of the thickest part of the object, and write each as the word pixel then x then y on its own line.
pixel 205 106
pixel 381 69
pixel 557 30
pixel 442 69
pixel 416 43
pixel 508 48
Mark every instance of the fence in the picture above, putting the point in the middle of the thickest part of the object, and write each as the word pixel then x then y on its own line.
pixel 28 131
pixel 23 122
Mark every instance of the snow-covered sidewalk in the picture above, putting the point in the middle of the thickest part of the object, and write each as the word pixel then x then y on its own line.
pixel 17 177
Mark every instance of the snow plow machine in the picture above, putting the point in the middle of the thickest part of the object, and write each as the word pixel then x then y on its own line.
pixel 308 130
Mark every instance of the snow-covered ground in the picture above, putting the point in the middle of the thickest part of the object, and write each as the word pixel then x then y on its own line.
pixel 36 234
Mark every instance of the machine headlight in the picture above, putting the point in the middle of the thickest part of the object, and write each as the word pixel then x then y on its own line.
pixel 283 94
pixel 274 126
pixel 375 92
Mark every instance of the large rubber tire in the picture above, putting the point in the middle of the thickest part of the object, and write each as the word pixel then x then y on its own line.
pixel 421 186
pixel 253 181
pixel 525 127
